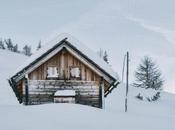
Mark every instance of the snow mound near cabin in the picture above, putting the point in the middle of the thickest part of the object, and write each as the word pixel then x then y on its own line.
pixel 9 61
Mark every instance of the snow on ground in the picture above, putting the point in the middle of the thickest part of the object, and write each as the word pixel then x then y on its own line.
pixel 163 108
pixel 140 116
pixel 159 115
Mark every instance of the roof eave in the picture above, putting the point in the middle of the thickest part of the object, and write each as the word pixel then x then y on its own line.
pixel 19 75
pixel 106 73
pixel 22 72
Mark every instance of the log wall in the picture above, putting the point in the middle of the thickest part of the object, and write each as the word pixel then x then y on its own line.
pixel 42 91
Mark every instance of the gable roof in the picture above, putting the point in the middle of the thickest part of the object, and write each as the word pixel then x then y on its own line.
pixel 74 44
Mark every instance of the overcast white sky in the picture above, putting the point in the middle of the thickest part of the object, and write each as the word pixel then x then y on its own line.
pixel 144 27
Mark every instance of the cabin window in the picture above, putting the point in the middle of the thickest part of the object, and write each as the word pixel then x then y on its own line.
pixel 75 72
pixel 52 72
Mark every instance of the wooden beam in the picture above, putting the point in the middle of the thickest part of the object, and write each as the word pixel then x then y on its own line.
pixel 26 90
pixel 111 88
pixel 101 94
pixel 61 83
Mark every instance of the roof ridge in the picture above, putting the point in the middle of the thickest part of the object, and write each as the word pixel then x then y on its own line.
pixel 78 45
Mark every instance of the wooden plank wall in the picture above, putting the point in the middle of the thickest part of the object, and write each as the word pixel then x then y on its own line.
pixel 64 61
pixel 41 91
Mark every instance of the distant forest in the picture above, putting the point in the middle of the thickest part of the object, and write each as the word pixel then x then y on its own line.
pixel 8 44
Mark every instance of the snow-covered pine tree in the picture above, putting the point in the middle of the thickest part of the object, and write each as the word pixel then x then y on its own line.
pixel 15 48
pixel 39 45
pixel 100 53
pixel 105 57
pixel 27 50
pixel 148 76
pixel 9 44
pixel 2 46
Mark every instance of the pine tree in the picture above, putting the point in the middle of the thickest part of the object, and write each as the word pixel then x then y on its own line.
pixel 27 50
pixel 100 53
pixel 2 45
pixel 148 76
pixel 105 57
pixel 9 44
pixel 15 48
pixel 39 45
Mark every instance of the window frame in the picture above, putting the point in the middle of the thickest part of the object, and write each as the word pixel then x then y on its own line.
pixel 72 77
pixel 52 77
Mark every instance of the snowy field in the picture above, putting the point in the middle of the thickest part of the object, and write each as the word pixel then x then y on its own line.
pixel 144 115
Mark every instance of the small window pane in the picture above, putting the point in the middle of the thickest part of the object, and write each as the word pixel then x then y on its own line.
pixel 52 72
pixel 75 72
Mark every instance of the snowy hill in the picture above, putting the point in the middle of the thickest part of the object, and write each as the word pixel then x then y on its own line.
pixel 141 115
pixel 9 61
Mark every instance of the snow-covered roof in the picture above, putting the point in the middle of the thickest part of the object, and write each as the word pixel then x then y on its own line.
pixel 78 45
pixel 65 93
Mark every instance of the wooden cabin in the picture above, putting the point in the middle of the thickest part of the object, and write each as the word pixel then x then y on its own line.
pixel 64 71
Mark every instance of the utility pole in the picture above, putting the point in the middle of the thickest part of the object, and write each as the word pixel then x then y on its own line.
pixel 127 82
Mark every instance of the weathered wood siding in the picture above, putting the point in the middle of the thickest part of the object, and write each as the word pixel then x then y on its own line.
pixel 42 91
pixel 19 88
pixel 64 61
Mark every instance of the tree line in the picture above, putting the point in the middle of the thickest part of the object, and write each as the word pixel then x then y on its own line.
pixel 8 44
